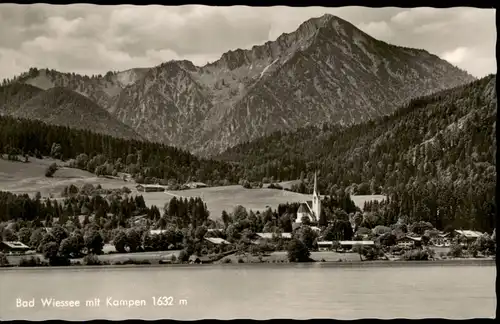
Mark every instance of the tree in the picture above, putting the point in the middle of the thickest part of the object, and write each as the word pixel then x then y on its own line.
pixel 3 260
pixel 456 250
pixel 51 170
pixel 297 251
pixel 336 246
pixel 77 242
pixel 387 239
pixel 148 241
pixel 66 248
pixel 59 234
pixel 56 151
pixel 94 242
pixel 47 238
pixel 134 240
pixel 200 232
pixel 50 251
pixel 9 235
pixel 307 235
pixel 484 244
pixel 380 230
pixel 419 228
pixel 35 238
pixel 120 241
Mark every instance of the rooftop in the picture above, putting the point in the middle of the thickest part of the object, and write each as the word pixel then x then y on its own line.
pixel 357 243
pixel 15 245
pixel 270 235
pixel 216 240
pixel 150 186
pixel 157 232
pixel 325 242
pixel 469 233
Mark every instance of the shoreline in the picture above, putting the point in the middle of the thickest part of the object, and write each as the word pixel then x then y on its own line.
pixel 332 264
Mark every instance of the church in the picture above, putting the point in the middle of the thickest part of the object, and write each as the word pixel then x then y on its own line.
pixel 311 209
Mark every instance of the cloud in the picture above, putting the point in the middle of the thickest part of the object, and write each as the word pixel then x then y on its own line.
pixel 456 56
pixel 378 29
pixel 86 38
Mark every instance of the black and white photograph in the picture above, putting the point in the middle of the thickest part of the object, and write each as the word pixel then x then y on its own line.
pixel 198 162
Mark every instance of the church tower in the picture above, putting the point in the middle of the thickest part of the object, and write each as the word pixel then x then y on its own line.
pixel 316 203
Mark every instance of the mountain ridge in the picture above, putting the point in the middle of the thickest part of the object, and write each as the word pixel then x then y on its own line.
pixel 326 70
pixel 60 106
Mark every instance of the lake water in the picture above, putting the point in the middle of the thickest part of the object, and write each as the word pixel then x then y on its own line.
pixel 297 291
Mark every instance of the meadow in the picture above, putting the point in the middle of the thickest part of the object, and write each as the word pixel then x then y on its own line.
pixel 19 178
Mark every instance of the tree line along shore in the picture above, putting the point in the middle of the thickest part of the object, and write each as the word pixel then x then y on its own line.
pixel 76 229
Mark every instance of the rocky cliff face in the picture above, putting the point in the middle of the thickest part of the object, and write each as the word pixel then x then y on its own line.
pixel 325 71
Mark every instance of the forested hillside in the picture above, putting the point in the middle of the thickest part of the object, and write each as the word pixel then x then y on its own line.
pixel 434 158
pixel 147 162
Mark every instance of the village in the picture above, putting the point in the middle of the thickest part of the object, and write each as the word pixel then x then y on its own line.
pixel 216 245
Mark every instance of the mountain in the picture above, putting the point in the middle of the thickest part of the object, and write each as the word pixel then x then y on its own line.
pixel 60 106
pixel 326 71
pixel 14 95
pixel 435 157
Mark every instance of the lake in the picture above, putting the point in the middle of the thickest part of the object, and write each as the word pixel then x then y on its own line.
pixel 264 291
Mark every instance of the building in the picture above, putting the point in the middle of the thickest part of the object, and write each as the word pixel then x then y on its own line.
pixel 157 232
pixel 150 188
pixel 441 240
pixel 311 208
pixel 214 232
pixel 408 241
pixel 194 185
pixel 216 241
pixel 470 236
pixel 263 237
pixel 13 247
pixel 325 245
pixel 348 245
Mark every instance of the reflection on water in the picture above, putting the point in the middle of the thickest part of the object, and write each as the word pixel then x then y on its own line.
pixel 256 292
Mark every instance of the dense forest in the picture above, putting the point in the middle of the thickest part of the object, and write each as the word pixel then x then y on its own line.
pixel 148 162
pixel 434 158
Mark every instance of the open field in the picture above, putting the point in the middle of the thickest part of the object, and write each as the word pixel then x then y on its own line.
pixel 153 257
pixel 18 177
pixel 281 256
pixel 226 198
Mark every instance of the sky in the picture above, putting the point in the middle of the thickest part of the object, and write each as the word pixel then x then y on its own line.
pixel 92 39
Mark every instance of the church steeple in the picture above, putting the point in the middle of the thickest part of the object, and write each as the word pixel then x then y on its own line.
pixel 316 208
pixel 315 193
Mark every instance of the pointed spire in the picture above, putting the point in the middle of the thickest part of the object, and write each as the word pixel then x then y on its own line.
pixel 315 184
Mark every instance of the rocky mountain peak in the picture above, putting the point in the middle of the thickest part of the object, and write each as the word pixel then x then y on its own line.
pixel 327 70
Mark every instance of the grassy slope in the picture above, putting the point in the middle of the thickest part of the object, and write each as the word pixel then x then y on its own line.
pixel 18 177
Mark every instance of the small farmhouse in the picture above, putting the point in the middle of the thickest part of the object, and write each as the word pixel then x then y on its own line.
pixel 194 185
pixel 408 241
pixel 150 188
pixel 13 247
pixel 216 241
pixel 441 240
pixel 470 236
